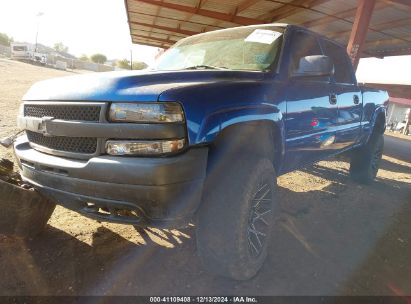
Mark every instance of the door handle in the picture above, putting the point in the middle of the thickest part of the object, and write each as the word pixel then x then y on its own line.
pixel 333 99
pixel 356 99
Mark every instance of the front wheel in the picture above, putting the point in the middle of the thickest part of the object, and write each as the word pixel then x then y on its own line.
pixel 365 162
pixel 235 219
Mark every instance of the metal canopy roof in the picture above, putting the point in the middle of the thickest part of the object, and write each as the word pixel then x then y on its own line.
pixel 394 90
pixel 161 23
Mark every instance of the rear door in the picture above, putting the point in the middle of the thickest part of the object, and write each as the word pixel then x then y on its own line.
pixel 311 113
pixel 349 98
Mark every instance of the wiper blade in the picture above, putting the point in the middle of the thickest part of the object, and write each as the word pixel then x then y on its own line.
pixel 205 67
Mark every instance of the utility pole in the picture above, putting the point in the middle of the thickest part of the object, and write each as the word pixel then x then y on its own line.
pixel 39 14
pixel 131 59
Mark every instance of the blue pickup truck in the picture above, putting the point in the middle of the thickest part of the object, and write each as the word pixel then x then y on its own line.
pixel 202 135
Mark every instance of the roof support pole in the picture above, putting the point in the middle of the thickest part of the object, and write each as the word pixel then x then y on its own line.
pixel 408 123
pixel 359 30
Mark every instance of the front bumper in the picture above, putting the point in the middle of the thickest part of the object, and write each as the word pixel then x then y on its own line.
pixel 164 192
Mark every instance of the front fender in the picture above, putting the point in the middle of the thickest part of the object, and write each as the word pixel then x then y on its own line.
pixel 249 120
pixel 220 120
pixel 210 107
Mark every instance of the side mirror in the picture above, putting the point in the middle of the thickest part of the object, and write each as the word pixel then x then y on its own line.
pixel 312 66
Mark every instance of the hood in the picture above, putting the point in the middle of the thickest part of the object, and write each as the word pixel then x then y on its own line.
pixel 130 85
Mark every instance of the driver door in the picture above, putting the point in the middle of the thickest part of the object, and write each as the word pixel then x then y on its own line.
pixel 311 109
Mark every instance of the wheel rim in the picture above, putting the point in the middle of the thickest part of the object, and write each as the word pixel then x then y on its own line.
pixel 375 160
pixel 258 221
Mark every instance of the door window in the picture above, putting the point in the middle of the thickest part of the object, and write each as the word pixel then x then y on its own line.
pixel 304 44
pixel 342 66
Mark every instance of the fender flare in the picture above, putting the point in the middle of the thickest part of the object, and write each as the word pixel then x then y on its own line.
pixel 378 112
pixel 217 124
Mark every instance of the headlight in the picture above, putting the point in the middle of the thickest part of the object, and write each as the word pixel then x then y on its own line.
pixel 167 112
pixel 135 147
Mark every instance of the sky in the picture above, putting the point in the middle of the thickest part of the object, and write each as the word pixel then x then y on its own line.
pixel 100 26
pixel 85 26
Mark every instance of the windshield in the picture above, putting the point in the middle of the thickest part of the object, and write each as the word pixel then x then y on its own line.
pixel 247 48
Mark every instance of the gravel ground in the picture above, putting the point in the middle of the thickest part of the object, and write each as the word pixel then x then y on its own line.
pixel 398 135
pixel 333 237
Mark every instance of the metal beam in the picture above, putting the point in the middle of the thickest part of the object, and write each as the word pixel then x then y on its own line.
pixel 241 7
pixel 166 28
pixel 359 30
pixel 391 52
pixel 393 24
pixel 155 39
pixel 245 5
pixel 199 4
pixel 403 2
pixel 378 27
pixel 328 19
pixel 153 31
pixel 176 19
pixel 284 10
pixel 205 13
pixel 391 43
pixel 339 16
pixel 153 44
pixel 288 9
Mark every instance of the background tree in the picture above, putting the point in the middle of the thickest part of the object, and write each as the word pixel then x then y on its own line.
pixel 137 65
pixel 60 47
pixel 5 39
pixel 84 58
pixel 124 64
pixel 98 58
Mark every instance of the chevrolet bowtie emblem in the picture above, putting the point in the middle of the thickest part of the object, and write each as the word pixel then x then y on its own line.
pixel 42 127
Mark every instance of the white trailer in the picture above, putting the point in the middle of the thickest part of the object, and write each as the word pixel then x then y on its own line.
pixel 21 51
pixel 25 52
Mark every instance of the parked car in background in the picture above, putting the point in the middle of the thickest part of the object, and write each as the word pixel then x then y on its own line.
pixel 400 126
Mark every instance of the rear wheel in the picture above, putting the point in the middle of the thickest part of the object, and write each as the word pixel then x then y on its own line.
pixel 365 162
pixel 235 218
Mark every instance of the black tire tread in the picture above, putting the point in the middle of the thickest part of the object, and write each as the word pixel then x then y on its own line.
pixel 360 165
pixel 223 217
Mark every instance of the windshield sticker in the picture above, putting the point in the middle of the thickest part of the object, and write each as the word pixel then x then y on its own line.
pixel 263 36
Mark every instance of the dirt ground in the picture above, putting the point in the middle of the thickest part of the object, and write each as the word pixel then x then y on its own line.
pixel 398 135
pixel 333 236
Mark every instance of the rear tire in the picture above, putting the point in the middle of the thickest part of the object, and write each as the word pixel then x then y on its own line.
pixel 236 216
pixel 365 161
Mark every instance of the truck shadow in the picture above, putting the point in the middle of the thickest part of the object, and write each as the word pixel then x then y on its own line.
pixel 57 263
pixel 394 167
pixel 387 268
pixel 325 244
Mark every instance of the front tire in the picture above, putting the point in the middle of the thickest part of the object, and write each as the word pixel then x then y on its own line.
pixel 365 162
pixel 235 219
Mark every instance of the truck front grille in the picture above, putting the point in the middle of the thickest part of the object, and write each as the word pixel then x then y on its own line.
pixel 75 147
pixel 79 112
pixel 83 145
